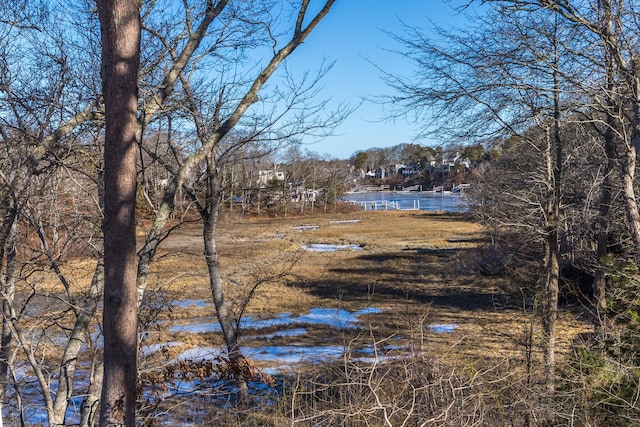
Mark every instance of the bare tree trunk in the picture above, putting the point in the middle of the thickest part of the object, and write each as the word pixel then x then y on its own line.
pixel 550 305
pixel 631 204
pixel 90 405
pixel 550 272
pixel 210 217
pixel 76 341
pixel 551 269
pixel 7 281
pixel 120 31
pixel 629 163
pixel 154 237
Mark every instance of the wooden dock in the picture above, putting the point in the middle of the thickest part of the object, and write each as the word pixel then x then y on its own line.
pixel 379 205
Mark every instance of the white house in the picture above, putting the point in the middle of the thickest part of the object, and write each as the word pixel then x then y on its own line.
pixel 266 176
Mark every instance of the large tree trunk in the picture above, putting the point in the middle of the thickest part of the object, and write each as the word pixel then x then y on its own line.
pixel 120 30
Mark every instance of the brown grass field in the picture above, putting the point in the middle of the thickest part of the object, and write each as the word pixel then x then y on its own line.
pixel 412 266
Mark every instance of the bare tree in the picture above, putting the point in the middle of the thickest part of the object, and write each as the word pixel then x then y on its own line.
pixel 611 24
pixel 217 144
pixel 45 105
pixel 511 77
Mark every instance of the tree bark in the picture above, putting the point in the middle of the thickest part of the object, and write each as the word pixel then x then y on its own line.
pixel 7 282
pixel 629 163
pixel 631 204
pixel 76 341
pixel 210 218
pixel 602 236
pixel 551 269
pixel 550 282
pixel 120 32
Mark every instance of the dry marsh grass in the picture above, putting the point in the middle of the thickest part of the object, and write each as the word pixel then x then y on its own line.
pixel 411 265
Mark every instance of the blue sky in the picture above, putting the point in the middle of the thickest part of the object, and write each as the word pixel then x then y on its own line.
pixel 353 35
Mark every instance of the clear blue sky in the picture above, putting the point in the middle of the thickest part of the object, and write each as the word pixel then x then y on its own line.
pixel 353 35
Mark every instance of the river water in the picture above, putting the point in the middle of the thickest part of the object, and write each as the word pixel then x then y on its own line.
pixel 426 200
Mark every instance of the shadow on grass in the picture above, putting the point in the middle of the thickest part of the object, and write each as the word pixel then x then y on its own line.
pixel 415 274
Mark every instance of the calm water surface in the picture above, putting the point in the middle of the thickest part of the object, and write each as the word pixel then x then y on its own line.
pixel 426 200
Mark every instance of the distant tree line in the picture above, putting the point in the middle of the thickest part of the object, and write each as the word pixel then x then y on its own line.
pixel 424 166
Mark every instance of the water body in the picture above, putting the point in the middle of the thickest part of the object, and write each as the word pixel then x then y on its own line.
pixel 426 200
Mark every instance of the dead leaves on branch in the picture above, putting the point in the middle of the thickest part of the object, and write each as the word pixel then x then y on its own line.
pixel 158 386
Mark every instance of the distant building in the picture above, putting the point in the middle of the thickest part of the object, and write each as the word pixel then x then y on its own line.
pixel 380 172
pixel 267 176
pixel 408 170
pixel 395 168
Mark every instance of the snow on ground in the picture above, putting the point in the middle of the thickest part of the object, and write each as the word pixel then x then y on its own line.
pixel 190 303
pixel 321 247
pixel 334 317
pixel 280 359
pixel 302 228
pixel 284 356
pixel 284 333
pixel 443 329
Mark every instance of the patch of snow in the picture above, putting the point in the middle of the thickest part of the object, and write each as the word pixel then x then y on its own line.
pixel 302 228
pixel 335 317
pixel 367 310
pixel 191 303
pixel 291 354
pixel 285 333
pixel 321 247
pixel 444 328
pixel 197 328
pixel 281 354
pixel 377 359
pixel 283 319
